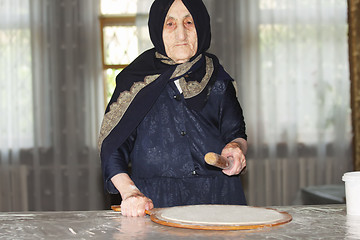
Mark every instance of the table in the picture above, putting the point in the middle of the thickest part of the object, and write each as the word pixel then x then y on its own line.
pixel 309 222
pixel 323 194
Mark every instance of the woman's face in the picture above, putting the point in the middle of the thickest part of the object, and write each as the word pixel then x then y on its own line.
pixel 179 33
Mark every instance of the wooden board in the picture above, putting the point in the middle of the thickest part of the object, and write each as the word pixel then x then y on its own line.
pixel 218 217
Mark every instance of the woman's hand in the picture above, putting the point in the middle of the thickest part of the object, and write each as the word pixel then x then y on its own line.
pixel 235 151
pixel 134 203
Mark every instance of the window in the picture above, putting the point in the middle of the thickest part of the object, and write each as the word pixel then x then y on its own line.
pixel 121 22
pixel 303 51
pixel 16 122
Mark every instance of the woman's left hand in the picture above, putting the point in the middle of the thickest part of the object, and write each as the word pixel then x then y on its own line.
pixel 233 151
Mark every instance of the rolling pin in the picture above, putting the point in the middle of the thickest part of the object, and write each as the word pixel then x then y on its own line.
pixel 217 160
pixel 117 208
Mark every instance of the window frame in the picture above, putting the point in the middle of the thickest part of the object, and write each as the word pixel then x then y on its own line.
pixel 112 21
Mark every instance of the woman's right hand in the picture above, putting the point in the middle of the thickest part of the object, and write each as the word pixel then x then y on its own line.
pixel 135 205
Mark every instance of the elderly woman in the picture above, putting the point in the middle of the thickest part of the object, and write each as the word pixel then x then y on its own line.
pixel 171 106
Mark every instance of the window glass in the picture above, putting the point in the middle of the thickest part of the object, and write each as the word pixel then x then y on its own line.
pixel 314 39
pixel 16 98
pixel 110 83
pixel 124 36
pixel 120 44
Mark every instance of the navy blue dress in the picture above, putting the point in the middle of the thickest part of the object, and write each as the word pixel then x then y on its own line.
pixel 166 151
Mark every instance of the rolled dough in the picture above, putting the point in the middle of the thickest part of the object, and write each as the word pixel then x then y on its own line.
pixel 220 215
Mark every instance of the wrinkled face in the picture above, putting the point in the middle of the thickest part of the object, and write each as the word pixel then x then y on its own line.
pixel 179 33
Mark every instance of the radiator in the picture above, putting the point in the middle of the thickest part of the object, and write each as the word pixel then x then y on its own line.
pixel 278 181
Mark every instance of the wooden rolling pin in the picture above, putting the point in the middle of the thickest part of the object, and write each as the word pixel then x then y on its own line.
pixel 117 208
pixel 217 160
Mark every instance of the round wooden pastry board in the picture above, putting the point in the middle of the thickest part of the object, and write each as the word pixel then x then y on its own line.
pixel 217 217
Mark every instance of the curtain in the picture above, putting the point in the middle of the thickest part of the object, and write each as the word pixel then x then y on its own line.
pixel 290 60
pixel 51 105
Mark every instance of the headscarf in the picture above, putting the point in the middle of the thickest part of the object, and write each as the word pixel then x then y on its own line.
pixel 139 84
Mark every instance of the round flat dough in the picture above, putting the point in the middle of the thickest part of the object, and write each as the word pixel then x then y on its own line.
pixel 220 215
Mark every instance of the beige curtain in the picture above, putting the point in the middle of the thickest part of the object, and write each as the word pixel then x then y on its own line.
pixel 289 58
pixel 51 105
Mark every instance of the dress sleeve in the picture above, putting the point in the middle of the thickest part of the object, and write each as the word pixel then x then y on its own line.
pixel 232 123
pixel 118 163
